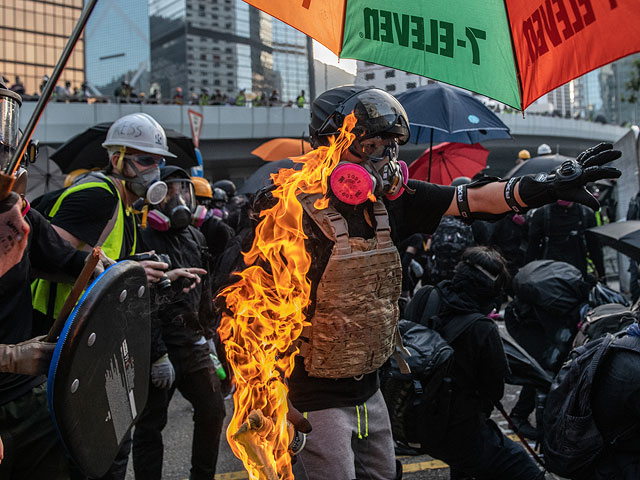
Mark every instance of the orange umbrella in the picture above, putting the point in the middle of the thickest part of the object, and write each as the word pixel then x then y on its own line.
pixel 280 148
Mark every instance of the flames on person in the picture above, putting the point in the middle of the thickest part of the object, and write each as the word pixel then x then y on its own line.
pixel 266 314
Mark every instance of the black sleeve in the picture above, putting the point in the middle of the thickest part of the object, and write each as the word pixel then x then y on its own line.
pixel 491 361
pixel 85 213
pixel 420 212
pixel 535 236
pixel 49 252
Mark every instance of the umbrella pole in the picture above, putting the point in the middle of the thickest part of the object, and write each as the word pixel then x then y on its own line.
pixel 46 93
pixel 430 155
pixel 523 440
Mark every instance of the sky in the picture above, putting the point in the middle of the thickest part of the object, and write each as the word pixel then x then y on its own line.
pixel 323 54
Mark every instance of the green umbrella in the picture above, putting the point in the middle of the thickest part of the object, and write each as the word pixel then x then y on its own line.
pixel 514 51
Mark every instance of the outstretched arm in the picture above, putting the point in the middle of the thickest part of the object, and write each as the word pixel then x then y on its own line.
pixel 566 182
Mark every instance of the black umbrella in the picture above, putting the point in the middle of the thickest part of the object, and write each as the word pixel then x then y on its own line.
pixel 85 150
pixel 440 113
pixel 525 370
pixel 542 164
pixel 262 177
pixel 621 236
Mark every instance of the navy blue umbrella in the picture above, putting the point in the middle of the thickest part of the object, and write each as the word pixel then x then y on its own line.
pixel 439 113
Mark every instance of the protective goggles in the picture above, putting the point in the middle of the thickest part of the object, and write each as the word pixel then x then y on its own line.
pixel 183 190
pixel 377 148
pixel 146 159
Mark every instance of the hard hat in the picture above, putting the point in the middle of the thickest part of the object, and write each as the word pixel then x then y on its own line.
pixel 203 187
pixel 71 177
pixel 524 154
pixel 544 149
pixel 139 131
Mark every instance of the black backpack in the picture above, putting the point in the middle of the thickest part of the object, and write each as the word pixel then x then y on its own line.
pixel 572 440
pixel 418 402
pixel 449 241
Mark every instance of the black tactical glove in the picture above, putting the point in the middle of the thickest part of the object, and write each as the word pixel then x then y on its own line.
pixel 567 182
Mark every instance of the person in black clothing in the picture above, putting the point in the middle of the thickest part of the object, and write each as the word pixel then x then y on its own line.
pixel 359 298
pixel 509 237
pixel 473 445
pixel 31 447
pixel 186 337
pixel 616 411
pixel 544 328
pixel 556 232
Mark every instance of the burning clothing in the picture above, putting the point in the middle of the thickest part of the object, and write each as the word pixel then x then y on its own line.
pixel 407 215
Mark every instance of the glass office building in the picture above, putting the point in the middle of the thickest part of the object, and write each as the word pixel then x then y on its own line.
pixel 32 36
pixel 224 45
pixel 117 46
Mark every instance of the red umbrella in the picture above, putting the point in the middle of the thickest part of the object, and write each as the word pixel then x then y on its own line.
pixel 450 160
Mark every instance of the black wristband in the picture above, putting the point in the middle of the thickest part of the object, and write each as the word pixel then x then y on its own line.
pixel 463 204
pixel 509 195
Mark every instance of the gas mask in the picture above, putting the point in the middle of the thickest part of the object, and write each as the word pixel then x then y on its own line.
pixel 381 173
pixel 179 210
pixel 10 103
pixel 146 184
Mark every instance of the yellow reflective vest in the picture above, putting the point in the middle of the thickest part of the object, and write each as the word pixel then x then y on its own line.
pixel 46 294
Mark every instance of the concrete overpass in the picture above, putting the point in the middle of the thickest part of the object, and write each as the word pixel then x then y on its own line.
pixel 229 133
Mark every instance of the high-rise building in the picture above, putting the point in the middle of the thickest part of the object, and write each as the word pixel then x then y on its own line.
pixel 117 46
pixel 32 37
pixel 389 79
pixel 224 45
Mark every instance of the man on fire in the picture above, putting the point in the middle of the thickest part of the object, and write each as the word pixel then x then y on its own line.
pixel 363 206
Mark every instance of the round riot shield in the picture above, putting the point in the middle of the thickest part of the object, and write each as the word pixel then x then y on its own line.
pixel 99 375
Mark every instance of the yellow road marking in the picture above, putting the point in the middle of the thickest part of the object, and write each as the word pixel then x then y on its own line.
pixel 406 467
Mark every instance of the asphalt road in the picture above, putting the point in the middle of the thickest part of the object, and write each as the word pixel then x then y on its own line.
pixel 178 436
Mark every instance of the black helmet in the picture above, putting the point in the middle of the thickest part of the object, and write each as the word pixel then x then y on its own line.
pixel 173 171
pixel 220 195
pixel 227 185
pixel 377 113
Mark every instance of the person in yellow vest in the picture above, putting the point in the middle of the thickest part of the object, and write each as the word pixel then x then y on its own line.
pixel 300 99
pixel 97 209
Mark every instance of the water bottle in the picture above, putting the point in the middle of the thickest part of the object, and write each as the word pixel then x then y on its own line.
pixel 222 375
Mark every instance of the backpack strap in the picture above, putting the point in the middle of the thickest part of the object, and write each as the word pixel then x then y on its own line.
pixel 457 325
pixel 432 305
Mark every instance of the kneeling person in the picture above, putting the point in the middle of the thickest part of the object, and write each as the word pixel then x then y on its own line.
pixel 472 444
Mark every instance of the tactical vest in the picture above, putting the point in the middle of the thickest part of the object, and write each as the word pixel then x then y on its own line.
pixel 354 328
pixel 48 296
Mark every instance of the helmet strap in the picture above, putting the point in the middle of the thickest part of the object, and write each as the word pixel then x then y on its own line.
pixel 120 163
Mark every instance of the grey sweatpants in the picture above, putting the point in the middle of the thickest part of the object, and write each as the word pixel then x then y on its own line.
pixel 348 443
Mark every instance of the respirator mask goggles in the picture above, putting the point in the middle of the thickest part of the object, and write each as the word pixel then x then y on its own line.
pixel 380 172
pixel 145 184
pixel 179 210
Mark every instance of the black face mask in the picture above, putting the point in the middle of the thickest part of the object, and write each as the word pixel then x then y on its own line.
pixel 178 212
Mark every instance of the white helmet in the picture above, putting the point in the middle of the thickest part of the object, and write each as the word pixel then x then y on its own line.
pixel 544 149
pixel 139 131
